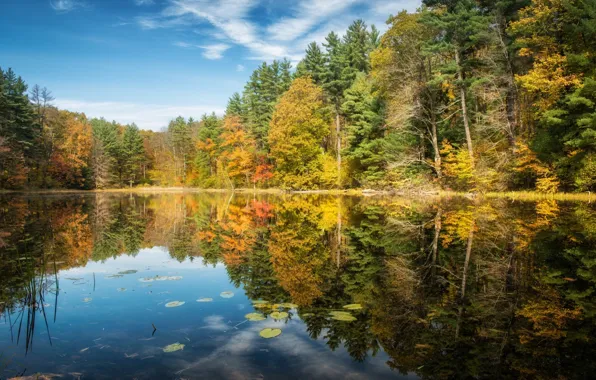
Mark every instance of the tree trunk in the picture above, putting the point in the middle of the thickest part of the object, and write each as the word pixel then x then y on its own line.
pixel 464 278
pixel 338 254
pixel 337 131
pixel 435 143
pixel 464 105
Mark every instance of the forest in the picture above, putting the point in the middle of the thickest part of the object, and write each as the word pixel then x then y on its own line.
pixel 464 95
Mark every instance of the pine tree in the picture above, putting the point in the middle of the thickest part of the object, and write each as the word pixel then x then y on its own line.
pixel 464 29
pixel 181 144
pixel 235 106
pixel 134 152
pixel 334 84
pixel 313 63
pixel 357 41
pixel 365 135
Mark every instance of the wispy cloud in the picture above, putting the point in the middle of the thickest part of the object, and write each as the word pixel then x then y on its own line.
pixel 213 51
pixel 234 22
pixel 144 2
pixel 66 5
pixel 309 13
pixel 146 116
pixel 240 68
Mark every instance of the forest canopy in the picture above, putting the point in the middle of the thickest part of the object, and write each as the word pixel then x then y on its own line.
pixel 468 95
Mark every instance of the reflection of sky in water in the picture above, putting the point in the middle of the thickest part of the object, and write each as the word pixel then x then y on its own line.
pixel 111 336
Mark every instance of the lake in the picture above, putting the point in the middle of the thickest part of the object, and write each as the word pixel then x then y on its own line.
pixel 221 286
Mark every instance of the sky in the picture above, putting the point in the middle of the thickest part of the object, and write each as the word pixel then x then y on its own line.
pixel 148 61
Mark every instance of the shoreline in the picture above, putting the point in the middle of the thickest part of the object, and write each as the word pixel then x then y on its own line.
pixel 514 195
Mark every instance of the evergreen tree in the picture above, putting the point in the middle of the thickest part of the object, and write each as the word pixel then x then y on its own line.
pixel 365 135
pixel 313 63
pixel 181 143
pixel 464 29
pixel 18 129
pixel 235 105
pixel 334 84
pixel 134 152
pixel 357 42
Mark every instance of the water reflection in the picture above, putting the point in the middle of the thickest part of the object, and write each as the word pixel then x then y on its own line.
pixel 450 288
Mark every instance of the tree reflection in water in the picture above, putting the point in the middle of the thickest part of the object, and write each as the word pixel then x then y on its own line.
pixel 450 288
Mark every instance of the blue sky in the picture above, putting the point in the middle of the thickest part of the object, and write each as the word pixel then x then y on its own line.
pixel 148 61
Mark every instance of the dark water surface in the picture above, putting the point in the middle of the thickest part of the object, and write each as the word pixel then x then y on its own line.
pixel 450 288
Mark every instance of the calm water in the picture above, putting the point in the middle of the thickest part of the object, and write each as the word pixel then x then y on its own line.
pixel 450 288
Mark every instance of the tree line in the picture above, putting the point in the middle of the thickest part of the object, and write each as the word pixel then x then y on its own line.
pixel 468 95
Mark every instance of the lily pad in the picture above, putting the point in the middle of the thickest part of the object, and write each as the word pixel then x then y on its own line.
pixel 114 276
pixel 121 289
pixel 226 294
pixel 353 306
pixel 206 299
pixel 255 317
pixel 261 306
pixel 87 299
pixel 269 333
pixel 288 305
pixel 160 278
pixel 175 303
pixel 342 316
pixel 130 271
pixel 279 315
pixel 260 302
pixel 173 347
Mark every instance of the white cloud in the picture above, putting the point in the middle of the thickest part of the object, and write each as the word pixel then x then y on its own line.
pixel 231 21
pixel 65 5
pixel 308 15
pixel 240 68
pixel 144 2
pixel 214 51
pixel 146 116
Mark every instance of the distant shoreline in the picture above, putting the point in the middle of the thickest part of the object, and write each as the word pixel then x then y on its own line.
pixel 516 195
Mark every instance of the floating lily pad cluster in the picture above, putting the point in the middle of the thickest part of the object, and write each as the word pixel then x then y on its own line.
pixel 130 271
pixel 205 299
pixel 279 315
pixel 175 303
pixel 160 278
pixel 226 294
pixel 255 317
pixel 345 316
pixel 269 333
pixel 173 347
